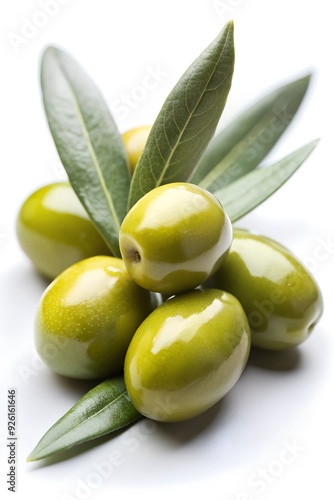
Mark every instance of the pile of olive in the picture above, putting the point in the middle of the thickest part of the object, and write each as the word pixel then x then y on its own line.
pixel 178 312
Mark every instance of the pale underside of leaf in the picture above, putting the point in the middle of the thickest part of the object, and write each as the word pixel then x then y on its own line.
pixel 242 145
pixel 246 193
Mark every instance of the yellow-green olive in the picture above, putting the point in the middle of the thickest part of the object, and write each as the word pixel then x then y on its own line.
pixel 187 354
pixel 174 238
pixel 281 299
pixel 87 317
pixel 134 142
pixel 54 230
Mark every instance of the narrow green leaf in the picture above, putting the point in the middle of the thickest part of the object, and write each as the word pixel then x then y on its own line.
pixel 104 409
pixel 241 146
pixel 88 142
pixel 246 193
pixel 187 120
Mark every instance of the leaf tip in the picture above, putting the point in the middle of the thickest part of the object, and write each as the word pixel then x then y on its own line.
pixel 306 79
pixel 313 144
pixel 34 455
pixel 229 27
pixel 49 49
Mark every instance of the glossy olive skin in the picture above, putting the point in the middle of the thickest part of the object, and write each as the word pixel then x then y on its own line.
pixel 281 299
pixel 54 230
pixel 134 143
pixel 187 355
pixel 87 317
pixel 174 238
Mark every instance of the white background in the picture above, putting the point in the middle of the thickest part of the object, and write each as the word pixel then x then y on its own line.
pixel 281 401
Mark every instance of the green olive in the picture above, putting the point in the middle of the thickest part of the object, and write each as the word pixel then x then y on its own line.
pixel 187 354
pixel 134 142
pixel 280 297
pixel 54 230
pixel 87 317
pixel 174 238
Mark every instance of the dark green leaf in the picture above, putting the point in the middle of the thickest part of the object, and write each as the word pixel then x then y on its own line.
pixel 88 142
pixel 187 120
pixel 246 193
pixel 104 409
pixel 241 146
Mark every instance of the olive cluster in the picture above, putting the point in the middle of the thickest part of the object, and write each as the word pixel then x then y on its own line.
pixel 178 312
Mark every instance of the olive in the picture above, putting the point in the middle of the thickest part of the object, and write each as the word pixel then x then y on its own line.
pixel 87 316
pixel 174 238
pixel 54 230
pixel 187 354
pixel 134 143
pixel 282 300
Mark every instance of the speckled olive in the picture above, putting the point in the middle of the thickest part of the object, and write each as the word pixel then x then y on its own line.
pixel 87 317
pixel 134 143
pixel 187 354
pixel 174 238
pixel 54 230
pixel 281 299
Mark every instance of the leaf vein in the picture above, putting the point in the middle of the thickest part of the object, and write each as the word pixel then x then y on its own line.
pixel 91 149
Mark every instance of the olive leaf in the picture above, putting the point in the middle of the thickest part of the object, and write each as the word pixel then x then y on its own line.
pixel 246 193
pixel 187 120
pixel 103 410
pixel 242 145
pixel 88 142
